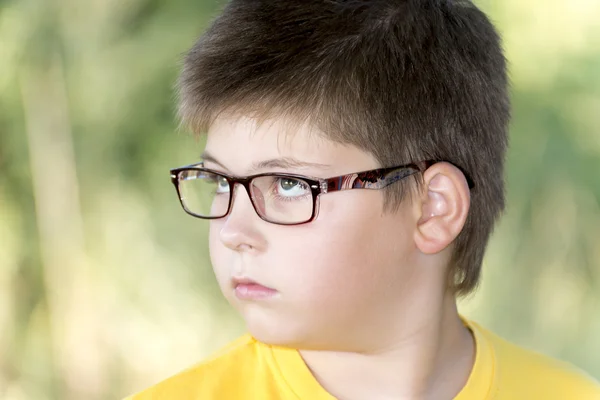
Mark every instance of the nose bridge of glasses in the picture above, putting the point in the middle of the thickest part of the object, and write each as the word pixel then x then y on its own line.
pixel 245 183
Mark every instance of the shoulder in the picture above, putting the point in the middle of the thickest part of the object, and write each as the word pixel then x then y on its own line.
pixel 523 373
pixel 209 377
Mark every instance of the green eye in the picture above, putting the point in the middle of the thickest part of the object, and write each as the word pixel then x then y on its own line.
pixel 222 185
pixel 289 184
pixel 289 187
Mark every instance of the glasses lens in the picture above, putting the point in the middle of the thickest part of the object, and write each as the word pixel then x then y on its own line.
pixel 204 193
pixel 284 200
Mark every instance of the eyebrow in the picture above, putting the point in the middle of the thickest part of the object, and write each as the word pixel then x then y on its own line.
pixel 282 162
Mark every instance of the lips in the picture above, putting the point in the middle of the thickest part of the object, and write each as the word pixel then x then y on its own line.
pixel 248 289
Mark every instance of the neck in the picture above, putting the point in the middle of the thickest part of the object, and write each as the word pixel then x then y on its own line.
pixel 429 357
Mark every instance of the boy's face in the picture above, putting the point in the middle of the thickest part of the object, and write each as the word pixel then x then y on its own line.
pixel 335 280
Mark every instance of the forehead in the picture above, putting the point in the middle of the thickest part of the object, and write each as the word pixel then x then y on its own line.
pixel 239 142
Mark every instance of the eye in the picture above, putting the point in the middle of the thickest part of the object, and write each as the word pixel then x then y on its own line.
pixel 222 184
pixel 290 187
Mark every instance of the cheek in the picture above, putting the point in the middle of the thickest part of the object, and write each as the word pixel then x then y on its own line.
pixel 219 254
pixel 344 256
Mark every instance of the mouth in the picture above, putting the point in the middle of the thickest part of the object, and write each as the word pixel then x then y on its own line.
pixel 248 289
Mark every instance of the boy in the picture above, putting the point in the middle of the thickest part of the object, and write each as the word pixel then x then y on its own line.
pixel 352 174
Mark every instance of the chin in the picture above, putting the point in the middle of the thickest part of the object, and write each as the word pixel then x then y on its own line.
pixel 288 335
pixel 277 335
pixel 268 328
pixel 274 338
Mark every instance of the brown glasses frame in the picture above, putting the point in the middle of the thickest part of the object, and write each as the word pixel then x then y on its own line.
pixel 373 179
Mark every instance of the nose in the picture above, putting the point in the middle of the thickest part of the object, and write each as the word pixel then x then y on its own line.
pixel 239 231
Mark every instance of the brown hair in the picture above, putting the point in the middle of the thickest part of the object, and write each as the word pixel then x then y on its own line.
pixel 406 80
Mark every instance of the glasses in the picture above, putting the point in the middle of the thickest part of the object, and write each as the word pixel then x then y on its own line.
pixel 283 199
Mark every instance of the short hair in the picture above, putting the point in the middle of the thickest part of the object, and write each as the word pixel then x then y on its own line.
pixel 405 80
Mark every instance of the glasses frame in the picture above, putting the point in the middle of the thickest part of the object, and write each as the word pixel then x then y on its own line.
pixel 372 179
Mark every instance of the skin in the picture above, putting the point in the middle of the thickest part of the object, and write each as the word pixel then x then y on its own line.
pixel 360 292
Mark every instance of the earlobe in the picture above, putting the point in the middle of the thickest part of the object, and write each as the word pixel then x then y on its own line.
pixel 443 208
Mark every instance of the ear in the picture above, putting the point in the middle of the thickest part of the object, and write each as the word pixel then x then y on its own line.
pixel 444 207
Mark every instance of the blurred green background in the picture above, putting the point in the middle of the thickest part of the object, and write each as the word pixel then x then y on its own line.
pixel 105 284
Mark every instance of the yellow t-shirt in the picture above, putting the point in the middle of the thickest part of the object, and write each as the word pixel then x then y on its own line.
pixel 248 369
